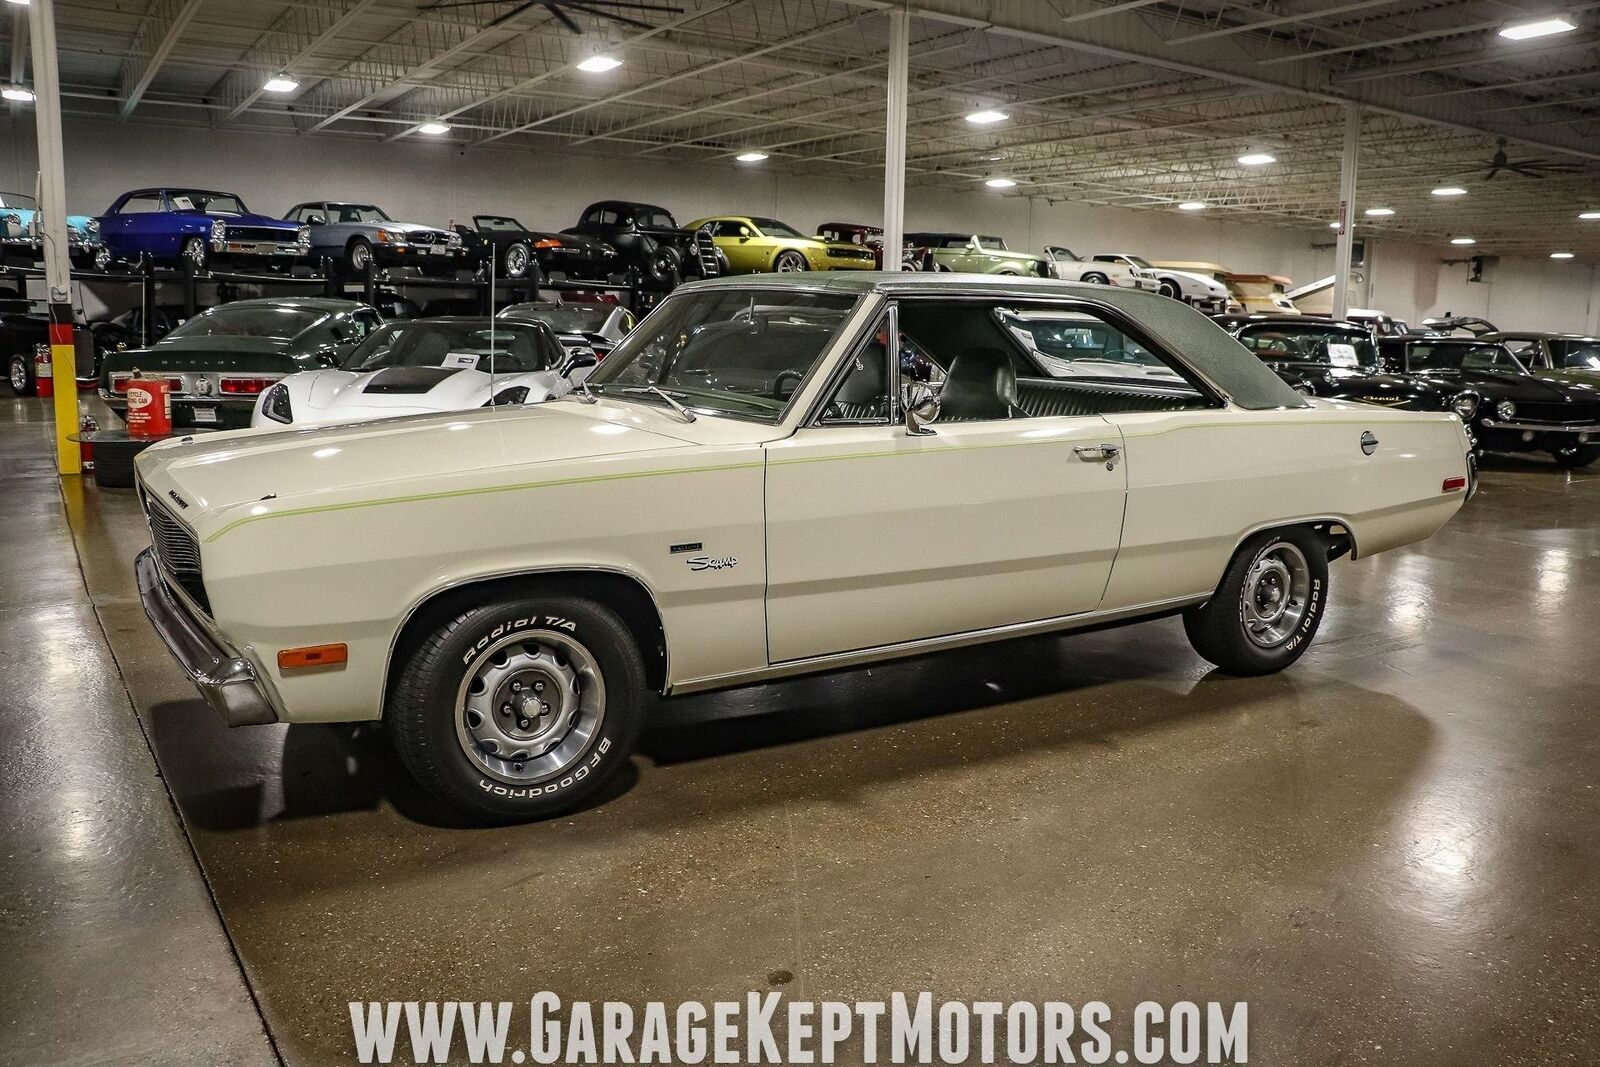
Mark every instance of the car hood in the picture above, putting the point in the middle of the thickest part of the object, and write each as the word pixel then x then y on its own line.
pixel 1211 284
pixel 224 477
pixel 1522 387
pixel 250 219
pixel 327 396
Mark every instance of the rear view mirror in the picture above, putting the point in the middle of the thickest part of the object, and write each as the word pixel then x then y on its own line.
pixel 579 361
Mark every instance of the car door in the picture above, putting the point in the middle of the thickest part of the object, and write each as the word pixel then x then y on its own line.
pixel 740 243
pixel 876 536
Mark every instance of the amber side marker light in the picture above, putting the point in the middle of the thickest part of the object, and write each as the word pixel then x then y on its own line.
pixel 1451 485
pixel 311 656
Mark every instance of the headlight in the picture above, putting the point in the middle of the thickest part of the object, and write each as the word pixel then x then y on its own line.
pixel 219 230
pixel 383 236
pixel 517 394
pixel 1506 410
pixel 302 237
pixel 1465 405
pixel 276 405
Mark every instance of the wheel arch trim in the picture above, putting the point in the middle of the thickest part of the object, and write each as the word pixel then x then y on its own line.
pixel 549 571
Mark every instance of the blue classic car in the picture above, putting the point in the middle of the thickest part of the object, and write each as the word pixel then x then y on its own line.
pixel 174 224
pixel 20 238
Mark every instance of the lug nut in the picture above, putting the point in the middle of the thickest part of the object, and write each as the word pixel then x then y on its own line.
pixel 538 687
pixel 516 687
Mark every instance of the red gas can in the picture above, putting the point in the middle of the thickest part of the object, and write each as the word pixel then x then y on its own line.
pixel 149 407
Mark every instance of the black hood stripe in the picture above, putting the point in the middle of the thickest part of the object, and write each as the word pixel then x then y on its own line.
pixel 408 380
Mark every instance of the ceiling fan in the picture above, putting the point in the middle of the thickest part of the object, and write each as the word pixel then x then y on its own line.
pixel 1528 168
pixel 611 10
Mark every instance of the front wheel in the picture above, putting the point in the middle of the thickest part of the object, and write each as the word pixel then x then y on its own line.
pixel 1574 456
pixel 1169 290
pixel 359 255
pixel 518 258
pixel 20 375
pixel 520 709
pixel 790 262
pixel 1268 605
pixel 1096 279
pixel 196 253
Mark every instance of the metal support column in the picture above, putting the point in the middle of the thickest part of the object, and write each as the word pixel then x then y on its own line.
pixel 53 206
pixel 1347 211
pixel 894 145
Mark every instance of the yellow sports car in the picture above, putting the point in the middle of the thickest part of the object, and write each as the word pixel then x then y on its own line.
pixel 751 245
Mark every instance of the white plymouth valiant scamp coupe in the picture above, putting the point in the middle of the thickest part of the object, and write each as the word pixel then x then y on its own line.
pixel 770 476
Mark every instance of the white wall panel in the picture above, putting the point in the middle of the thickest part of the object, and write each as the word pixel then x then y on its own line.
pixel 437 183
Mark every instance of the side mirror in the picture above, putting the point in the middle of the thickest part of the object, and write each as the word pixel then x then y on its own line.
pixel 921 404
pixel 581 361
pixel 316 220
pixel 744 233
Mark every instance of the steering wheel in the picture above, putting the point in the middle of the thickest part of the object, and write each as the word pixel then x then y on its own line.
pixel 778 392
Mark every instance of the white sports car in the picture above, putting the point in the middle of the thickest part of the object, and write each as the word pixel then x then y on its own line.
pixel 422 366
pixel 1071 267
pixel 1206 294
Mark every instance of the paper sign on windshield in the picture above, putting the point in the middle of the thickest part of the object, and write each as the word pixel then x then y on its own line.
pixel 461 359
pixel 183 203
pixel 1342 355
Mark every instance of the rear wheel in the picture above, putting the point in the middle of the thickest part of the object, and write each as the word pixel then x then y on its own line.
pixel 1267 607
pixel 1576 455
pixel 1096 279
pixel 1170 289
pixel 520 709
pixel 518 258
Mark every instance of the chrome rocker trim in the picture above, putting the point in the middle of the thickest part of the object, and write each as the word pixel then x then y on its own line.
pixel 227 683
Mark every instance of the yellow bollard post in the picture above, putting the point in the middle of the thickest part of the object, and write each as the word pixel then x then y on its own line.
pixel 63 369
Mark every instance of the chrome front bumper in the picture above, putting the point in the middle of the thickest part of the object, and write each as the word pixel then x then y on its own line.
pixel 1539 427
pixel 228 683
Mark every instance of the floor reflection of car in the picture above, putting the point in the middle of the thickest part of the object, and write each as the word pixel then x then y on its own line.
pixel 593 326
pixel 424 365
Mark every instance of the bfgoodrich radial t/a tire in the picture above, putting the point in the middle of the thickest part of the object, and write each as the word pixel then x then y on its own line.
pixel 520 709
pixel 1267 607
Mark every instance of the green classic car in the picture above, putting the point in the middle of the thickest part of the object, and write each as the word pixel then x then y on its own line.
pixel 975 253
pixel 220 361
pixel 1567 357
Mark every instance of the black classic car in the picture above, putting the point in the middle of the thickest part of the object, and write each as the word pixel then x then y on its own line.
pixel 136 327
pixel 25 334
pixel 220 361
pixel 649 242
pixel 517 250
pixel 1506 408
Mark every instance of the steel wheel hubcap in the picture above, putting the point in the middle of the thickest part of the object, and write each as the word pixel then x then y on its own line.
pixel 529 706
pixel 1276 594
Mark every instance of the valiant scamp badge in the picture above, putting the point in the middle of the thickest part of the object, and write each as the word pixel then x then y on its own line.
pixel 712 563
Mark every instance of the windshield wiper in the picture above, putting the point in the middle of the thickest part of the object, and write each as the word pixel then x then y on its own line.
pixel 587 396
pixel 683 412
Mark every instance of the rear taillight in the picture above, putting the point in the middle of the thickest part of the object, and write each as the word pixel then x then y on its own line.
pixel 244 386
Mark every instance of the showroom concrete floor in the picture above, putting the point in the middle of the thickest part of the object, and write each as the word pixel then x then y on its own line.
pixel 1389 851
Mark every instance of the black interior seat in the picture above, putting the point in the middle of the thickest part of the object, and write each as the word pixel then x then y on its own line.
pixel 865 391
pixel 980 386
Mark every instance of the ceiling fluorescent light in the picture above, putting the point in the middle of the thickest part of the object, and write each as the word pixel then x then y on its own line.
pixel 1449 190
pixel 280 83
pixel 1192 205
pixel 1525 31
pixel 1000 183
pixel 1560 255
pixel 19 93
pixel 1463 241
pixel 1589 215
pixel 433 129
pixel 600 64
pixel 987 118
pixel 750 157
pixel 1257 159
pixel 1379 212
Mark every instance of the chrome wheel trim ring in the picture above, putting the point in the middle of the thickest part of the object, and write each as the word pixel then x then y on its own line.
pixel 1276 595
pixel 194 250
pixel 516 261
pixel 19 375
pixel 529 706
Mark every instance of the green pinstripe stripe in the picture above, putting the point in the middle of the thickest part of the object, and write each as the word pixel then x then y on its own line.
pixel 448 494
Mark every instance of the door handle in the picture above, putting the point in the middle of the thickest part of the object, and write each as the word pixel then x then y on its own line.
pixel 1095 453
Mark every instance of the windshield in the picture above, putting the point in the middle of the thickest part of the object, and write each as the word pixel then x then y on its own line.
pixel 735 352
pixel 356 213
pixel 17 200
pixel 1311 343
pixel 1137 261
pixel 994 243
pixel 1463 357
pixel 497 222
pixel 210 203
pixel 467 345
pixel 241 320
pixel 1575 354
pixel 774 228
pixel 563 318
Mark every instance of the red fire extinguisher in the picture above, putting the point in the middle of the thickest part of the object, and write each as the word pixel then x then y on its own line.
pixel 149 407
pixel 44 383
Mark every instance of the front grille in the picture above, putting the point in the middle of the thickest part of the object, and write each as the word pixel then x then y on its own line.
pixel 425 237
pixel 1557 414
pixel 261 234
pixel 177 552
pixel 852 253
